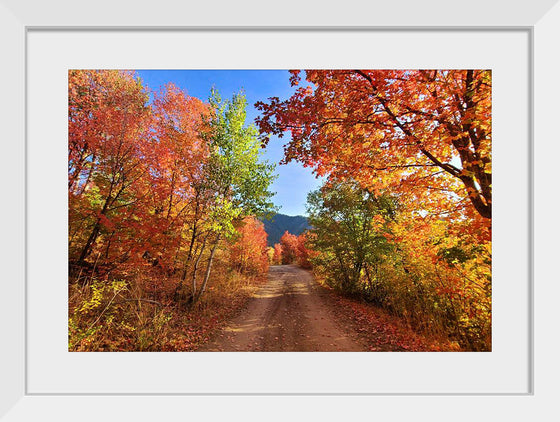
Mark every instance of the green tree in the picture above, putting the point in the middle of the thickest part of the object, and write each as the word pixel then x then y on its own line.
pixel 349 227
pixel 237 177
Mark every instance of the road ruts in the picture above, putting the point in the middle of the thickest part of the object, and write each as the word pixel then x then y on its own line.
pixel 288 314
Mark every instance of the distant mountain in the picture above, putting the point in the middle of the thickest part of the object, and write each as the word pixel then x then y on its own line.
pixel 277 225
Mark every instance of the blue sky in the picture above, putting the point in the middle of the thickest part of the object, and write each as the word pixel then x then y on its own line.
pixel 294 181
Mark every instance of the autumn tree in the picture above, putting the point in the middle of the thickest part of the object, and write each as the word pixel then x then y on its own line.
pixel 425 134
pixel 304 251
pixel 289 244
pixel 108 127
pixel 133 166
pixel 277 257
pixel 249 252
pixel 175 157
pixel 439 277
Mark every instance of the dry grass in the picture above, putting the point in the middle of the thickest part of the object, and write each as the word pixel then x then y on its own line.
pixel 139 312
pixel 382 331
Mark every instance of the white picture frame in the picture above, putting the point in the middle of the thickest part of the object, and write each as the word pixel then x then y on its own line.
pixel 541 19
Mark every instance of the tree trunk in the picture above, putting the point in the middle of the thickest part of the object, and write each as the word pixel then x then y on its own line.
pixel 91 240
pixel 208 269
pixel 97 227
pixel 196 267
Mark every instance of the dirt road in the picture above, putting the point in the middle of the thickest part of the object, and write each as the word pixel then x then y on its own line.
pixel 291 313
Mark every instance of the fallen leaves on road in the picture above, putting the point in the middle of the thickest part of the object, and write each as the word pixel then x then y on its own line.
pixel 383 332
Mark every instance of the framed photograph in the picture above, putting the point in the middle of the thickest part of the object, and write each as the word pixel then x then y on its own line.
pixel 45 377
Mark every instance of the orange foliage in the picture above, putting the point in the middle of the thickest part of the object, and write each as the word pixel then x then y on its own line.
pixel 424 134
pixel 277 257
pixel 249 254
pixel 304 252
pixel 131 168
pixel 289 244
